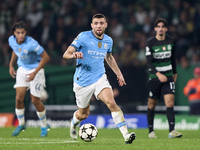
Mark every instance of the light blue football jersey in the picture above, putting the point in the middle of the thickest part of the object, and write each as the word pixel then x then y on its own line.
pixel 91 68
pixel 28 53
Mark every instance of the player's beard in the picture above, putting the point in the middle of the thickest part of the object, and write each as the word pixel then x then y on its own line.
pixel 161 34
pixel 99 33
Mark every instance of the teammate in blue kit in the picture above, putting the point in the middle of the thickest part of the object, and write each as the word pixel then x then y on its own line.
pixel 90 48
pixel 30 74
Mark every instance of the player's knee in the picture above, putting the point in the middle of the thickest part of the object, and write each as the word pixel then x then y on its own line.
pixel 112 104
pixel 84 116
pixel 19 98
pixel 151 105
pixel 35 101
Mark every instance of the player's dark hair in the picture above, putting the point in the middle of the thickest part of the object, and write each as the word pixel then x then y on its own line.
pixel 160 20
pixel 19 25
pixel 98 16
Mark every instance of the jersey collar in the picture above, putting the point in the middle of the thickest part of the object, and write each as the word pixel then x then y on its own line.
pixel 95 36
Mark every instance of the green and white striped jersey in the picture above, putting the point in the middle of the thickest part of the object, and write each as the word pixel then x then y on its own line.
pixel 161 57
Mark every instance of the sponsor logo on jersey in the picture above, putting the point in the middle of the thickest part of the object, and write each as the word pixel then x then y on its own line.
pixel 162 55
pixel 93 43
pixel 96 54
pixel 156 49
pixel 20 50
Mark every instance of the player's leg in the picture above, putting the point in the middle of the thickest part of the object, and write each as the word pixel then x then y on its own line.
pixel 36 87
pixel 106 95
pixel 83 96
pixel 150 116
pixel 41 113
pixel 20 109
pixel 154 89
pixel 78 116
pixel 169 102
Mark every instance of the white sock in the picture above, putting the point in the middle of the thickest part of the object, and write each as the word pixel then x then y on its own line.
pixel 75 121
pixel 20 116
pixel 119 120
pixel 42 117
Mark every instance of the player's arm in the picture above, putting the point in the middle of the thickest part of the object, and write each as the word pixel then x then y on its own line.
pixel 149 57
pixel 71 53
pixel 12 61
pixel 44 59
pixel 173 60
pixel 113 65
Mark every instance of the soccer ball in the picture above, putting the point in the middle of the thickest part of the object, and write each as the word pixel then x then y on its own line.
pixel 88 132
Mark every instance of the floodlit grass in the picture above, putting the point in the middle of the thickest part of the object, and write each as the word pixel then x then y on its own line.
pixel 107 139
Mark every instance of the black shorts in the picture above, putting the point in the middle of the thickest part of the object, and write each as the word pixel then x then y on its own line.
pixel 158 89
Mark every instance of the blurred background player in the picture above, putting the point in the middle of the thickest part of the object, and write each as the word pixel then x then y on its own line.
pixel 30 74
pixel 160 54
pixel 192 91
pixel 90 48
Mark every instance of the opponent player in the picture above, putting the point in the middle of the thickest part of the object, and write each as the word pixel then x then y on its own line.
pixel 90 48
pixel 30 74
pixel 160 54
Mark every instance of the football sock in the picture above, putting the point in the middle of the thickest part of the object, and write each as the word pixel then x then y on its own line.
pixel 170 117
pixel 119 120
pixel 150 119
pixel 42 117
pixel 20 116
pixel 75 121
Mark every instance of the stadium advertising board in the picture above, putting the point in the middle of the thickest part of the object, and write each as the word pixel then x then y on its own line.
pixel 183 122
pixel 6 119
pixel 106 121
pixel 140 121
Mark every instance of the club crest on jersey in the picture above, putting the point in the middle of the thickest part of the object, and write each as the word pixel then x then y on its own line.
pixel 169 47
pixel 25 51
pixel 164 48
pixel 99 44
pixel 105 46
pixel 20 50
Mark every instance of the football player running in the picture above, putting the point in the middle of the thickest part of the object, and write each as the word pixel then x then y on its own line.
pixel 90 48
pixel 31 58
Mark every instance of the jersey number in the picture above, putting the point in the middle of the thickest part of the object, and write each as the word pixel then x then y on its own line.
pixel 172 85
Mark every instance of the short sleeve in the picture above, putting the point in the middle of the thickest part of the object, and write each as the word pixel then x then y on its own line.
pixel 37 48
pixel 77 42
pixel 110 47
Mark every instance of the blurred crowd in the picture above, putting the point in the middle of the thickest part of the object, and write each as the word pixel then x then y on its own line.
pixel 55 23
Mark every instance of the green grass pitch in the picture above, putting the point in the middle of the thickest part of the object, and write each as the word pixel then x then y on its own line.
pixel 107 139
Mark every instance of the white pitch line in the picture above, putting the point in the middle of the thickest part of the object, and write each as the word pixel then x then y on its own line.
pixel 1 143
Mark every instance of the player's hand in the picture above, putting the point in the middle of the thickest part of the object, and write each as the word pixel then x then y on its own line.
pixel 161 77
pixel 121 80
pixel 30 77
pixel 175 77
pixel 77 55
pixel 12 72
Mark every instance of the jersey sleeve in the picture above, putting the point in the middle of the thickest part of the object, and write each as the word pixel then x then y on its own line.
pixel 149 56
pixel 10 41
pixel 173 59
pixel 111 45
pixel 37 48
pixel 77 42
